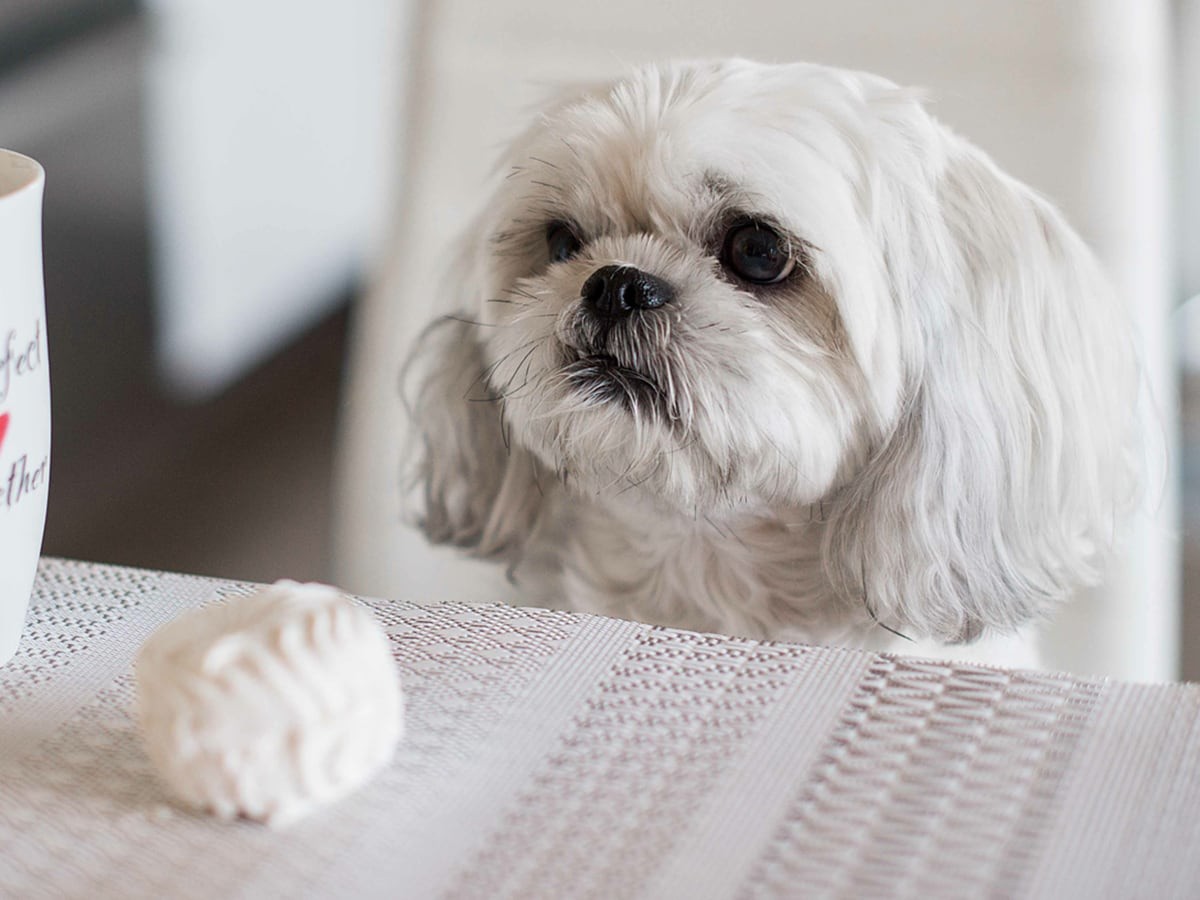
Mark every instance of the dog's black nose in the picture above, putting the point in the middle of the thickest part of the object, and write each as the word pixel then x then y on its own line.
pixel 614 291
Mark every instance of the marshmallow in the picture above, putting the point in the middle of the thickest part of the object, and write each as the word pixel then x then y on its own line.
pixel 270 705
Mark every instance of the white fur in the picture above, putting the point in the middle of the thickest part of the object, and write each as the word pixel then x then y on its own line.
pixel 930 428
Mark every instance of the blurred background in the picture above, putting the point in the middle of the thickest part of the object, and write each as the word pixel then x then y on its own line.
pixel 226 182
pixel 218 179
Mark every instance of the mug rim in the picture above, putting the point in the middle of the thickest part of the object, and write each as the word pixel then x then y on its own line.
pixel 17 178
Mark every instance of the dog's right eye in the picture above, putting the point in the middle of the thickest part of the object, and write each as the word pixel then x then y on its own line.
pixel 757 253
pixel 561 242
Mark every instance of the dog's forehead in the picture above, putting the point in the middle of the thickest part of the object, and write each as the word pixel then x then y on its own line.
pixel 651 155
pixel 641 174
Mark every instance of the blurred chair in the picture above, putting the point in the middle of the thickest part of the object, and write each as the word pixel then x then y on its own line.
pixel 1068 96
pixel 268 147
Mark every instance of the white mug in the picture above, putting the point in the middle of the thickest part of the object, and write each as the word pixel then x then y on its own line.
pixel 24 392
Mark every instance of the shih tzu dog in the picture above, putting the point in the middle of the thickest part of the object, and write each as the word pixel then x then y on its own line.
pixel 766 350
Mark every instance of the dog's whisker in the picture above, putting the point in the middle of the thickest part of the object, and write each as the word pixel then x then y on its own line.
pixel 526 361
pixel 792 464
pixel 726 532
pixel 504 431
pixel 632 485
pixel 529 381
pixel 465 321
pixel 871 610
pixel 521 292
pixel 537 481
pixel 683 447
pixel 485 376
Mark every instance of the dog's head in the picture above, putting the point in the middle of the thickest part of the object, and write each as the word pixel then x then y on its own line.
pixel 727 287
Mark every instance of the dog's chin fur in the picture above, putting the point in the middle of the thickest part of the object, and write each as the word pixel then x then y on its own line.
pixel 929 427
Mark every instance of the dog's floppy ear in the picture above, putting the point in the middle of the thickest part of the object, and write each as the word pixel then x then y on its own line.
pixel 1016 450
pixel 480 491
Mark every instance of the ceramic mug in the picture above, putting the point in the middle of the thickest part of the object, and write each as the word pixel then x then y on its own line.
pixel 24 392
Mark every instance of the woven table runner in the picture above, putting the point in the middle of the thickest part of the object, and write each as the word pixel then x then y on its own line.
pixel 550 754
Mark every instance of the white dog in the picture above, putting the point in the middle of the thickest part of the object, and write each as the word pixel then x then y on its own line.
pixel 767 350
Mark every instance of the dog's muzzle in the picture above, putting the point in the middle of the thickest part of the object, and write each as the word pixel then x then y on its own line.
pixel 612 292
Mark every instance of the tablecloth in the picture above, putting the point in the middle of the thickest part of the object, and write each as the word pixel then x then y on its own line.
pixel 550 754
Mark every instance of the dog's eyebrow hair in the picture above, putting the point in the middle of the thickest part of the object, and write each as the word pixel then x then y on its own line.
pixel 716 183
pixel 724 195
pixel 733 198
pixel 729 191
pixel 730 195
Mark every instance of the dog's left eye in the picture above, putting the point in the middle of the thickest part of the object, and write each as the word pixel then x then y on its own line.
pixel 757 253
pixel 561 242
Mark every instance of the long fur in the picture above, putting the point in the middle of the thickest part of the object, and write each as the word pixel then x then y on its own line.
pixel 930 428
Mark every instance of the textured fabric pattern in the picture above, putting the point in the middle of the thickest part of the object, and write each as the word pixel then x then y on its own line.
pixel 551 755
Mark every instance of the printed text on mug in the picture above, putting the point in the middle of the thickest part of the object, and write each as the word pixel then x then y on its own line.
pixel 19 357
pixel 23 480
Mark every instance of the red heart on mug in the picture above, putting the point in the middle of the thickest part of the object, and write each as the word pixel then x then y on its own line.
pixel 3 428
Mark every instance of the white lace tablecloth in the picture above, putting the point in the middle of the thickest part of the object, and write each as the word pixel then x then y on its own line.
pixel 557 755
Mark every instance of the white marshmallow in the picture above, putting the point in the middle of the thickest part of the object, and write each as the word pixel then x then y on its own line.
pixel 269 705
